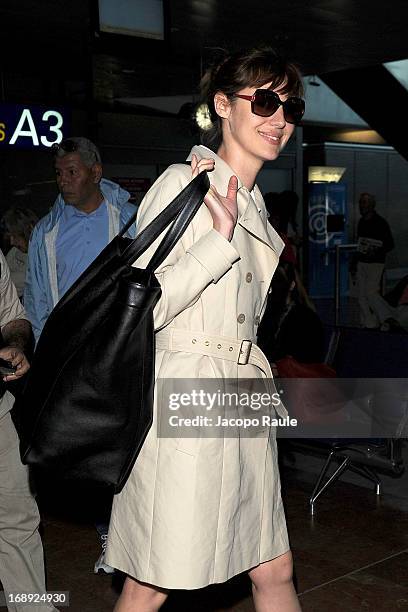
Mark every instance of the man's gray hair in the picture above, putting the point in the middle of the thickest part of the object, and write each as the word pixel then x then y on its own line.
pixel 79 144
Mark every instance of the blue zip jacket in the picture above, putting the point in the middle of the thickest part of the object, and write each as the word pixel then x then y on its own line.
pixel 41 286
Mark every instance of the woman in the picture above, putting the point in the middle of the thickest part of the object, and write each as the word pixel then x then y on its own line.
pixel 18 224
pixel 197 511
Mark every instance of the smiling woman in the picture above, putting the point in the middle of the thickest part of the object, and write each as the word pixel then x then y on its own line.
pixel 254 70
pixel 197 510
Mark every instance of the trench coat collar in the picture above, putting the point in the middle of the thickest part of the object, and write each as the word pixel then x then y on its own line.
pixel 251 207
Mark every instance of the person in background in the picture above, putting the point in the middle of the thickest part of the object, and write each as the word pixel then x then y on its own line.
pixel 21 551
pixel 87 214
pixel 279 219
pixel 290 325
pixel 374 240
pixel 18 223
pixel 289 201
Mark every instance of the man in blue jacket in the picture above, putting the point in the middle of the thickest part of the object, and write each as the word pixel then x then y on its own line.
pixel 87 214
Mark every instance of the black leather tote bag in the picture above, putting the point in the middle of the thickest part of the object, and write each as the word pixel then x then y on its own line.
pixel 87 403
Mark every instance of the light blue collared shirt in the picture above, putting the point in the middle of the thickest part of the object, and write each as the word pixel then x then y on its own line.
pixel 81 237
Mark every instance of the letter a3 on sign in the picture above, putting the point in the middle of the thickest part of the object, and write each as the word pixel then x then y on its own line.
pixel 31 127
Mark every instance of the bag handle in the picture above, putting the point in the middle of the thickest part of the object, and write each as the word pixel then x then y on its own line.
pixel 176 230
pixel 181 210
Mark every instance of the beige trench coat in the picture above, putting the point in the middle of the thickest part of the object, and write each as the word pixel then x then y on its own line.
pixel 197 511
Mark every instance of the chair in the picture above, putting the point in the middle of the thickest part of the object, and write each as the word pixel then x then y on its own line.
pixel 360 353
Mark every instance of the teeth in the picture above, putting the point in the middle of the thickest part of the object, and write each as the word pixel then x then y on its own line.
pixel 269 136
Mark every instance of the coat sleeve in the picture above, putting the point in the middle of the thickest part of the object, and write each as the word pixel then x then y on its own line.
pixel 36 303
pixel 201 257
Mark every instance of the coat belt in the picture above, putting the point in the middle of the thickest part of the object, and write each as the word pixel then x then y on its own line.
pixel 231 349
pixel 238 351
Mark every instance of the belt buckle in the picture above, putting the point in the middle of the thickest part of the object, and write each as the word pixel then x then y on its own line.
pixel 244 352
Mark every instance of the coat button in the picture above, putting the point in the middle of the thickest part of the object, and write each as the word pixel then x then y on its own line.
pixel 241 318
pixel 257 319
pixel 248 277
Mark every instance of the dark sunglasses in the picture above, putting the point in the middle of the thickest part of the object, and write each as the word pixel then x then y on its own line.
pixel 70 146
pixel 265 103
pixel 67 145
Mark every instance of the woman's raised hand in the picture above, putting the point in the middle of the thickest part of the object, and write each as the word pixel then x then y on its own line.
pixel 224 210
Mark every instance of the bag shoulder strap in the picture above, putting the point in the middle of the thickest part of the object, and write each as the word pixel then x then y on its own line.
pixel 180 211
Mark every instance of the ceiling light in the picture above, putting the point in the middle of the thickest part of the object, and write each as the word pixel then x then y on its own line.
pixel 325 174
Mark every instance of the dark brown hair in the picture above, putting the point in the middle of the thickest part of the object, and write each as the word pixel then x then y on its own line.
pixel 247 68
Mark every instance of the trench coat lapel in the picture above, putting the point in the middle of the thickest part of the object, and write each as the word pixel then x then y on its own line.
pixel 252 217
